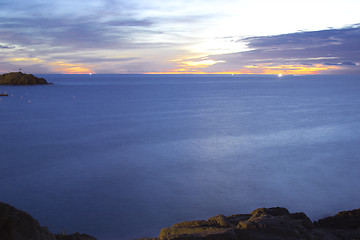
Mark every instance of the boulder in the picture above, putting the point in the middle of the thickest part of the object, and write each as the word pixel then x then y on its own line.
pixel 277 223
pixel 344 225
pixel 344 219
pixel 19 78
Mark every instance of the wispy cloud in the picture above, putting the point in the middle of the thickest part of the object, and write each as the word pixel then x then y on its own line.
pixel 146 36
pixel 326 51
pixel 103 41
pixel 6 47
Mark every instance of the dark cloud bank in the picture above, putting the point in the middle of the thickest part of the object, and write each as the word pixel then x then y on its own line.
pixel 331 47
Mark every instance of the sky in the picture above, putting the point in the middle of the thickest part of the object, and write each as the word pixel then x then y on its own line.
pixel 178 36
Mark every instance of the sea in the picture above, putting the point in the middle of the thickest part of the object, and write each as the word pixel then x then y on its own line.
pixel 122 156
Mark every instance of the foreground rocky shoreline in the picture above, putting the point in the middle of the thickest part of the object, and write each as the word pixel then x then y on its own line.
pixel 261 224
pixel 267 224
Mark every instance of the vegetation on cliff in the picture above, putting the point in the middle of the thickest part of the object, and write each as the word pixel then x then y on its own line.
pixel 19 78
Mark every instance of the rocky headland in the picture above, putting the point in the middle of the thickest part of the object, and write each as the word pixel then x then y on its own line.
pixel 19 78
pixel 267 224
pixel 18 225
pixel 261 224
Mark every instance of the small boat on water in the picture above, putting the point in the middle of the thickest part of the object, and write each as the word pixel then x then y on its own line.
pixel 3 94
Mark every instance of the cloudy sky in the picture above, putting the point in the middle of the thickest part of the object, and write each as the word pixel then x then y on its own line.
pixel 179 36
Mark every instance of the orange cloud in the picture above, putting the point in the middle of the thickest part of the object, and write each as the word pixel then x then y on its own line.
pixel 199 64
pixel 70 68
pixel 59 66
pixel 287 69
pixel 261 69
pixel 178 71
pixel 187 66
pixel 30 60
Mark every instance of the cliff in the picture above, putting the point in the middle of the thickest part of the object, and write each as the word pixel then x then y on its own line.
pixel 267 224
pixel 19 78
pixel 18 225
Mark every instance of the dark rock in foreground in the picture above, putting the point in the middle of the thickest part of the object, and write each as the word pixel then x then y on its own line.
pixel 18 225
pixel 19 78
pixel 342 220
pixel 267 224
pixel 75 236
pixel 261 224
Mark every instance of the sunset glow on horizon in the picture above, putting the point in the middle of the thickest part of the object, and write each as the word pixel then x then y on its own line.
pixel 266 70
pixel 69 68
pixel 205 37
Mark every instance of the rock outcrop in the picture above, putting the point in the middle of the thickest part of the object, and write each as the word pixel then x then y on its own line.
pixel 267 224
pixel 19 78
pixel 18 225
pixel 75 236
pixel 261 224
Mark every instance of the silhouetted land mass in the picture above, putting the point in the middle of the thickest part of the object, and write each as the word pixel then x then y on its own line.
pixel 18 225
pixel 19 78
pixel 267 224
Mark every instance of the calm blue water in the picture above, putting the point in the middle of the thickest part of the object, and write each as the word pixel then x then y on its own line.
pixel 121 156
